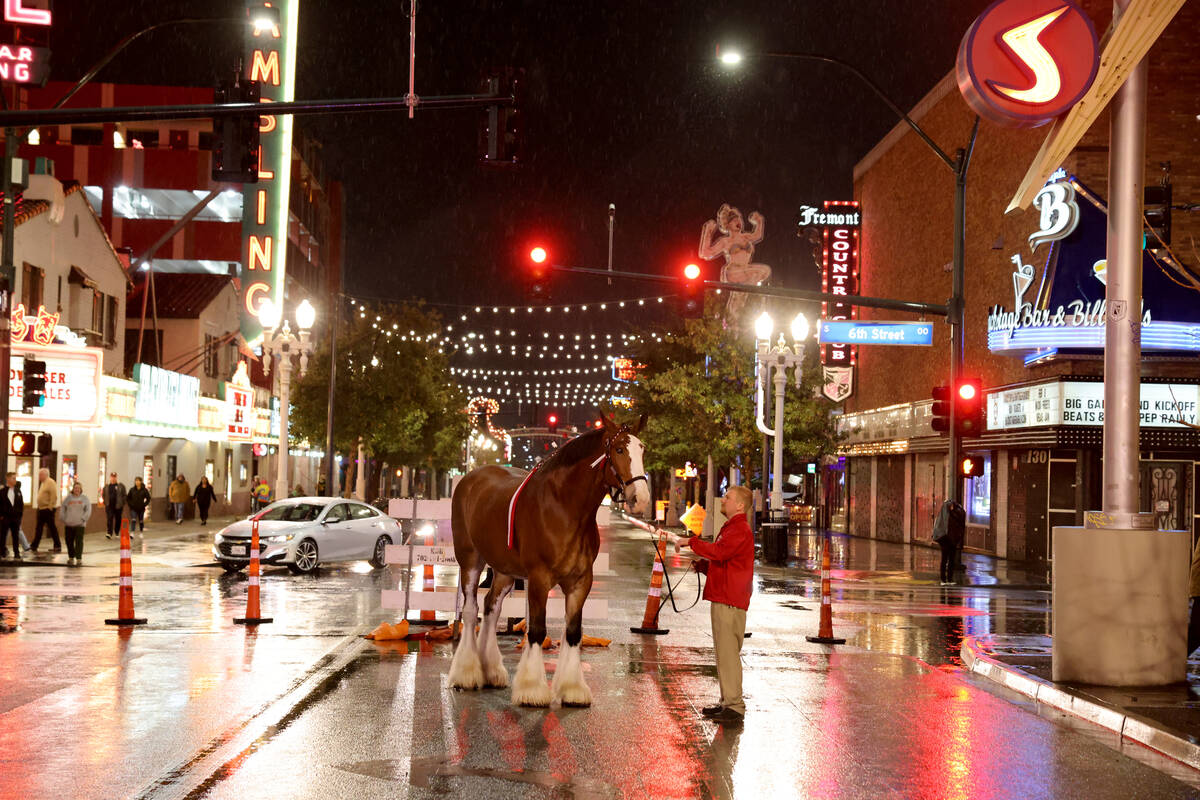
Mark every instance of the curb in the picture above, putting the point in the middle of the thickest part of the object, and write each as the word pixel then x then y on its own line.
pixel 1129 727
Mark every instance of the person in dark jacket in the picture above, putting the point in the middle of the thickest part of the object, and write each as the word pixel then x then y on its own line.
pixel 204 497
pixel 138 501
pixel 12 506
pixel 115 496
pixel 949 531
pixel 729 564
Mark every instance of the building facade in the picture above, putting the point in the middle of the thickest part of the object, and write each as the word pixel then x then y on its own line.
pixel 1033 326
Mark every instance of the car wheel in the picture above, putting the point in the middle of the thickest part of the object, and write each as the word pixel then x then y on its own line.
pixel 307 558
pixel 380 548
pixel 232 566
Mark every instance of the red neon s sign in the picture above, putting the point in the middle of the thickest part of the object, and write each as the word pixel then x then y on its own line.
pixel 1024 62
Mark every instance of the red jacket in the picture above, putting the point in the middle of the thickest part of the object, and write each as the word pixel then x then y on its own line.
pixel 730 563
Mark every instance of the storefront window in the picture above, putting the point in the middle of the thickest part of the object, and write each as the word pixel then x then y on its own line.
pixel 979 494
pixel 210 470
pixel 148 473
pixel 103 479
pixel 66 480
pixel 24 470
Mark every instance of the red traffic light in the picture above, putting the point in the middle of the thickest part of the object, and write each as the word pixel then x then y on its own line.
pixel 968 390
pixel 971 467
pixel 538 255
pixel 552 419
pixel 691 272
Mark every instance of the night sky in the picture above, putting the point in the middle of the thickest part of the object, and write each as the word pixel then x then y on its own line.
pixel 626 105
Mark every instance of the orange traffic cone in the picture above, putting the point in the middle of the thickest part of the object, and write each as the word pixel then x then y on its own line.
pixel 253 613
pixel 825 632
pixel 125 590
pixel 654 595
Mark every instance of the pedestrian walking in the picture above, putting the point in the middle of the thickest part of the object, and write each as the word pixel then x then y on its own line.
pixel 262 494
pixel 138 501
pixel 1193 634
pixel 204 498
pixel 115 496
pixel 75 512
pixel 948 531
pixel 179 492
pixel 12 506
pixel 47 503
pixel 729 564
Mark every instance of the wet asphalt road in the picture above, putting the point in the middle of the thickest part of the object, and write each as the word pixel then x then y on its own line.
pixel 192 706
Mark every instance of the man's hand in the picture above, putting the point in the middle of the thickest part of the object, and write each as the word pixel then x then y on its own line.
pixel 682 541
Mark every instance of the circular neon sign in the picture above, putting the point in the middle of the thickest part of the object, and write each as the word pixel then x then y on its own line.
pixel 1024 62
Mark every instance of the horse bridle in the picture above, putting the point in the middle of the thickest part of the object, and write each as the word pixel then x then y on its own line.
pixel 609 467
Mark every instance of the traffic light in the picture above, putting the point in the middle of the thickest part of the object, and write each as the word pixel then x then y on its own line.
pixel 971 467
pixel 538 274
pixel 1157 202
pixel 501 130
pixel 968 407
pixel 23 443
pixel 45 444
pixel 235 139
pixel 691 293
pixel 33 392
pixel 552 423
pixel 941 409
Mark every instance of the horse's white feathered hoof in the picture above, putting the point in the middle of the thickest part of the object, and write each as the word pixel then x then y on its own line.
pixel 536 695
pixel 495 676
pixel 465 670
pixel 574 695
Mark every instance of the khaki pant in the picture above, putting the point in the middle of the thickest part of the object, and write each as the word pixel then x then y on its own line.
pixel 729 631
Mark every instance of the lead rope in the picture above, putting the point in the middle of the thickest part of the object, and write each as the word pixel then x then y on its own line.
pixel 671 589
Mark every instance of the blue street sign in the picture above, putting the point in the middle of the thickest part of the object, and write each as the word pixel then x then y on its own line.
pixel 855 332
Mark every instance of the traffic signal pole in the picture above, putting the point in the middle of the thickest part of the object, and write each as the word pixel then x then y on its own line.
pixel 7 278
pixel 954 482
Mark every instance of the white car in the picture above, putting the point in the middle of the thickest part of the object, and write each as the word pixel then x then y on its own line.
pixel 305 532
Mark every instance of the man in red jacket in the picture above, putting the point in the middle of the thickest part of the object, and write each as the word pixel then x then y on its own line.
pixel 729 564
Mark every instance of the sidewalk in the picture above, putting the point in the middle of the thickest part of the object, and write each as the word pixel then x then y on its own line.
pixel 1163 719
pixel 96 543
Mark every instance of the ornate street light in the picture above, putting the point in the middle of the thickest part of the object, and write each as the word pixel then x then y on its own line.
pixel 281 343
pixel 781 358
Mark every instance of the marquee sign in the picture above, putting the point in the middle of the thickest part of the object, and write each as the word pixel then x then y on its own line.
pixel 1024 62
pixel 166 397
pixel 1081 403
pixel 270 59
pixel 72 385
pixel 839 275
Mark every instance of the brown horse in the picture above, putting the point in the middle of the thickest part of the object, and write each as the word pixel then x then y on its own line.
pixel 555 541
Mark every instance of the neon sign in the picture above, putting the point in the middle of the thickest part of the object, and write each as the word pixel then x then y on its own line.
pixel 625 370
pixel 1024 62
pixel 39 329
pixel 16 13
pixel 839 275
pixel 271 60
pixel 239 410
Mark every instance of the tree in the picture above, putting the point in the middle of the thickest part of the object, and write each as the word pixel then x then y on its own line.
pixel 698 389
pixel 392 390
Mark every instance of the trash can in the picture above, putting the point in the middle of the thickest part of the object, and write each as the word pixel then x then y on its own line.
pixel 774 541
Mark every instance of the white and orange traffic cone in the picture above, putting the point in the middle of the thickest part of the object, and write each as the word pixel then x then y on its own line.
pixel 125 589
pixel 825 631
pixel 654 595
pixel 253 612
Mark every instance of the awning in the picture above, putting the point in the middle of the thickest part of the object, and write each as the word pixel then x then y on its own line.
pixel 79 276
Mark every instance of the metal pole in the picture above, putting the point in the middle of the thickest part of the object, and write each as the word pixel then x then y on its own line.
pixel 1123 291
pixel 954 483
pixel 777 481
pixel 7 279
pixel 335 313
pixel 285 380
pixel 612 213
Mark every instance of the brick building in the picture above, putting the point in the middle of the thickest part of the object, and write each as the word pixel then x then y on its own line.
pixel 1042 469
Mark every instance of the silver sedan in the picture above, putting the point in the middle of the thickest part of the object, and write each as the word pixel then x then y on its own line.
pixel 305 532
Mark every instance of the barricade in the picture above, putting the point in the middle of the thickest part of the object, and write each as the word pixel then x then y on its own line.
pixel 253 613
pixel 825 631
pixel 125 591
pixel 440 553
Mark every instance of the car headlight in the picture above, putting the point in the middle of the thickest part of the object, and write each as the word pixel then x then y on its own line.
pixel 218 538
pixel 283 537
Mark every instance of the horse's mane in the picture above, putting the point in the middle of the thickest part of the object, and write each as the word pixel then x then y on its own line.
pixel 578 449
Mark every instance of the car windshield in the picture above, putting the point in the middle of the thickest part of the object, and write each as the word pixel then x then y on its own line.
pixel 292 512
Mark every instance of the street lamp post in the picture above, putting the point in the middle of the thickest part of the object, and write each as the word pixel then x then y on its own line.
pixel 281 343
pixel 779 358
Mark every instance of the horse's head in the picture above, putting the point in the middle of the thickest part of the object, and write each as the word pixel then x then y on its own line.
pixel 624 450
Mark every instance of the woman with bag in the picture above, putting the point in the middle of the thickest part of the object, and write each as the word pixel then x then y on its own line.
pixel 204 497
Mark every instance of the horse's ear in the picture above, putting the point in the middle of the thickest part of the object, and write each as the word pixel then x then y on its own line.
pixel 609 425
pixel 641 424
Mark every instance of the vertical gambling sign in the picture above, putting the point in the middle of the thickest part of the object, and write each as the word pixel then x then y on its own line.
pixel 270 58
pixel 841 223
